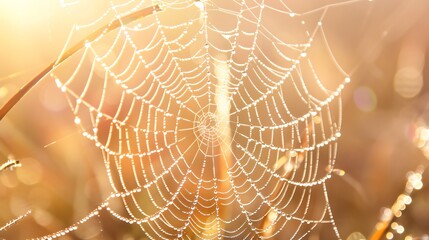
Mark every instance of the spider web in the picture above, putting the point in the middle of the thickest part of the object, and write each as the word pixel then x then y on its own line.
pixel 215 119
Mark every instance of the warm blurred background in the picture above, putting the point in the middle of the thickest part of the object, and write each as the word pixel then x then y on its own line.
pixel 385 121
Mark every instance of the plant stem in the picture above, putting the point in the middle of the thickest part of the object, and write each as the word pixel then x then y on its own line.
pixel 11 163
pixel 394 212
pixel 78 46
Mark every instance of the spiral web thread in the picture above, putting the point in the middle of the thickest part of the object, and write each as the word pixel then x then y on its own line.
pixel 212 117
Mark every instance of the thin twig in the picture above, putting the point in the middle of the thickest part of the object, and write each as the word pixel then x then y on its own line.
pixel 11 163
pixel 78 46
pixel 390 215
pixel 15 220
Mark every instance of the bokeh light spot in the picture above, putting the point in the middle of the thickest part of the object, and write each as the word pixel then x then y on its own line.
pixel 408 82
pixel 30 173
pixel 365 99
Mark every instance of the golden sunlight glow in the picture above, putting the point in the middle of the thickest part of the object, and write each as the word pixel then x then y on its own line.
pixel 201 119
